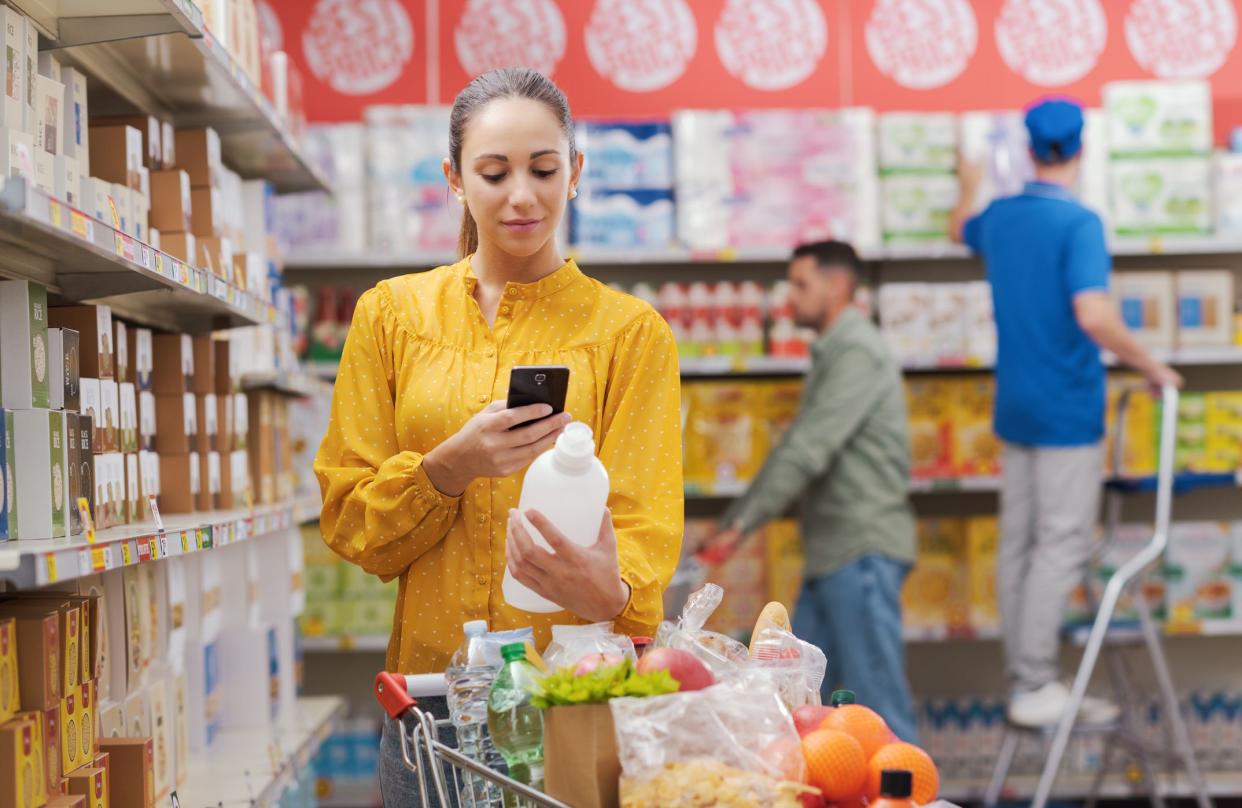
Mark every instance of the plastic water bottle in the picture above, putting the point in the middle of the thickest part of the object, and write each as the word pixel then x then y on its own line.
pixel 569 486
pixel 517 725
pixel 469 678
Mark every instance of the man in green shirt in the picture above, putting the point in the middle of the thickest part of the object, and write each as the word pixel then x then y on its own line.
pixel 847 457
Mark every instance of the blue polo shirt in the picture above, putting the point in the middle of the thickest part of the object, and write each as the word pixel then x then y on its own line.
pixel 1041 248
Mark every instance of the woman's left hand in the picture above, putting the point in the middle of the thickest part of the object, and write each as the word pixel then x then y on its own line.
pixel 584 580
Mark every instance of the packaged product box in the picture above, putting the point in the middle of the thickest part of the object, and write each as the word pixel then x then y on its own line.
pixel 623 219
pixel 224 423
pixel 94 326
pixel 52 755
pixel 627 155
pixel 906 321
pixel 70 731
pixel 56 369
pixel 49 104
pixel 723 437
pixel 17 154
pixel 128 417
pixel 212 692
pixel 40 473
pixel 30 53
pixel 1198 567
pixel 176 417
pixel 1205 307
pixel 209 492
pixel 70 363
pixel 1223 420
pixel 1148 304
pixel 73 471
pixel 142 353
pixel 198 154
pixel 23 327
pixel 982 539
pixel 45 172
pixel 21 765
pixel 181 729
pixel 110 409
pixel 935 597
pixel 91 783
pixel 203 377
pixel 180 482
pixel 96 196
pixel 67 801
pixel 76 141
pixel 116 485
pixel 932 406
pixel 117 154
pixel 1191 431
pixel 168 141
pixel 67 177
pixel 1227 169
pixel 10 671
pixel 1158 117
pixel 14 108
pixel 785 561
pixel 162 753
pixel 86 461
pixel 137 712
pixel 150 129
pixel 999 142
pixel 148 480
pixel 137 627
pixel 123 372
pixel 916 207
pixel 182 246
pixel 111 722
pixel 135 510
pixel 39 794
pixel 948 334
pixel 977 451
pixel 239 478
pixel 8 503
pixel 917 140
pixel 206 213
pixel 227 379
pixel 104 504
pixel 171 204
pixel 92 408
pixel 122 198
pixel 131 764
pixel 173 364
pixel 1167 195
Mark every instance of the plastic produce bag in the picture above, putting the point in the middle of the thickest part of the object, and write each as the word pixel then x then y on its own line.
pixel 485 650
pixel 729 744
pixel 721 654
pixel 571 643
pixel 797 667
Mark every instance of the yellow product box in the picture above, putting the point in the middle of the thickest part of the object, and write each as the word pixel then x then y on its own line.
pixel 781 402
pixel 785 561
pixel 21 768
pixel 91 783
pixel 723 439
pixel 71 757
pixel 88 720
pixel 10 698
pixel 977 451
pixel 982 540
pixel 1139 432
pixel 934 598
pixel 1223 420
pixel 38 759
pixel 932 404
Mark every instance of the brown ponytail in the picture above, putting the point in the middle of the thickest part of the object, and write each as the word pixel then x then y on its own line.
pixel 509 82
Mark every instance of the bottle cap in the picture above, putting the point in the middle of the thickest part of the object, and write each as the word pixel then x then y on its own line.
pixel 575 447
pixel 474 628
pixel 514 651
pixel 896 783
pixel 840 697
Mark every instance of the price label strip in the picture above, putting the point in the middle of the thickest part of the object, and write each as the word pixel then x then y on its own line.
pixel 52 577
pixel 127 557
pixel 54 213
pixel 81 226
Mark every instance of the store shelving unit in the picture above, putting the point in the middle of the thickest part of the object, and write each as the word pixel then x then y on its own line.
pixel 158 56
pixel 251 767
pixel 362 643
pixel 1220 784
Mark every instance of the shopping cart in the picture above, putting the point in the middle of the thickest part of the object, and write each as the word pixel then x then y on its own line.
pixel 1177 751
pixel 441 769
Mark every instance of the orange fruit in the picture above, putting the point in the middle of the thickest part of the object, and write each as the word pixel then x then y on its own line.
pixel 835 764
pixel 863 724
pixel 906 756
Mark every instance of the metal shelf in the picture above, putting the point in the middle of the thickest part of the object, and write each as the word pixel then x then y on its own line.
pixel 30 563
pixel 346 643
pixel 249 767
pixel 301 383
pixel 82 258
pixel 158 57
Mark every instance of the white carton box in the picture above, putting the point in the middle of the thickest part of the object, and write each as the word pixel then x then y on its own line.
pixel 947 322
pixel 128 411
pixel 95 193
pixel 1147 302
pixel 916 207
pixel 76 140
pixel 13 111
pixel 1162 196
pixel 40 473
pixel 49 114
pixel 999 142
pixel 980 324
pixel 1227 169
pixel 68 182
pixel 45 172
pixel 56 368
pixel 1159 117
pixel 1205 307
pixel 92 406
pixel 123 199
pixel 110 401
pixel 16 154
pixel 917 140
pixel 905 320
pixel 30 50
pixel 24 371
pixel 1197 566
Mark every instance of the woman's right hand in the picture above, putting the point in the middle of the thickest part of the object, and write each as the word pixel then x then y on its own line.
pixel 485 446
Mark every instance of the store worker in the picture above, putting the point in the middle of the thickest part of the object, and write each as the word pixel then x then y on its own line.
pixel 1048 265
pixel 420 470
pixel 847 456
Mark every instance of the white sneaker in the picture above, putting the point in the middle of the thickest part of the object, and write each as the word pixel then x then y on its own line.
pixel 1043 708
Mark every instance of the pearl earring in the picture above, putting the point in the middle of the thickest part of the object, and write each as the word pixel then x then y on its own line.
pixel 573 193
pixel 461 197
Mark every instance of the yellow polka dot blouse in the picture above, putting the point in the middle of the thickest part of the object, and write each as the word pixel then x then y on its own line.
pixel 419 362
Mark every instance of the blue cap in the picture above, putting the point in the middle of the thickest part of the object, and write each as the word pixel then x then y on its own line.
pixel 1055 127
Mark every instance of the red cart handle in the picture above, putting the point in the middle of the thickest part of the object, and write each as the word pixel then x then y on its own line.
pixel 391 692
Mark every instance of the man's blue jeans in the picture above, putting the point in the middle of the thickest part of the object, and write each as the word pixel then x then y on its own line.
pixel 854 616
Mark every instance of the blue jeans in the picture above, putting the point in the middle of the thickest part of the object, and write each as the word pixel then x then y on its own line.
pixel 399 785
pixel 854 616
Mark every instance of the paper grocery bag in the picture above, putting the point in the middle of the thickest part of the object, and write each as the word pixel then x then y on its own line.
pixel 580 756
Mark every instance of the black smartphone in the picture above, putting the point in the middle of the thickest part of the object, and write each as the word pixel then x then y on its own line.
pixel 538 384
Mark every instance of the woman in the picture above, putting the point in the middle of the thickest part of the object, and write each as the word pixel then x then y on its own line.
pixel 419 471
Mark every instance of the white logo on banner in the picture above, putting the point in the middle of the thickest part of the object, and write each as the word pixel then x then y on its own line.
pixel 641 45
pixel 771 44
pixel 1051 42
pixel 1181 38
pixel 269 23
pixel 358 47
pixel 510 33
pixel 921 44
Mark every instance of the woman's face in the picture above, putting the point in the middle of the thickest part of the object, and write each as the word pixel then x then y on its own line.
pixel 516 174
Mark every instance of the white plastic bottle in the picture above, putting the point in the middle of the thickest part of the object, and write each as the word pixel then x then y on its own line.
pixel 569 486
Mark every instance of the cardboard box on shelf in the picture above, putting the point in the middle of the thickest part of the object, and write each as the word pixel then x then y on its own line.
pixel 137 712
pixel 1198 570
pixel 131 763
pixel 49 120
pixel 208 423
pixel 56 369
pixel 45 172
pixel 210 476
pixel 39 759
pixel 91 783
pixel 1165 195
pixel 34 657
pixel 52 759
pixel 117 153
pixel 203 380
pixel 8 501
pixel 146 421
pixel 173 364
pixel 982 539
pixel 17 154
pixel 141 352
pixel 123 372
pixel 1148 304
pixel 20 760
pixel 150 129
pixel 14 108
pixel 1160 117
pixel 932 407
pixel 70 363
pixel 180 482
pixel 94 326
pixel 10 670
pixel 148 480
pixel 916 207
pixel 103 505
pixel 110 408
pixel 123 204
pixel 171 204
pixel 162 738
pixel 67 176
pixel 182 246
pixel 95 198
pixel 206 214
pixel 198 153
pixel 135 509
pixel 224 423
pixel 30 54
pixel 86 461
pixel 23 328
pixel 176 418
pixel 215 254
pixel 168 140
pixel 935 597
pixel 39 448
pixel 128 412
pixel 917 141
pixel 1205 307
pixel 227 377
pixel 73 471
pixel 76 140
pixel 977 451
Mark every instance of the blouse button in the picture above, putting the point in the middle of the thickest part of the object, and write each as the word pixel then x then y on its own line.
pixel 482 580
pixel 482 399
pixel 512 292
pixel 504 309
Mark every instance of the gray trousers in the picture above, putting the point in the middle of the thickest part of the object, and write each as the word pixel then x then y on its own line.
pixel 1050 499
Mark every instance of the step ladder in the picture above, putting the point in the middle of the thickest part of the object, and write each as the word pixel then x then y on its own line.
pixel 1104 639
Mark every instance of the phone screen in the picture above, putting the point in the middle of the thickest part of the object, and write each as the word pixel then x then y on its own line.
pixel 538 384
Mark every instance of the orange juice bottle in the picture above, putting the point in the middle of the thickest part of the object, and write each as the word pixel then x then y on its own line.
pixel 896 786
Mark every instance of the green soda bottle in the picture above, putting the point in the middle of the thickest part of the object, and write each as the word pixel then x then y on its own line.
pixel 516 725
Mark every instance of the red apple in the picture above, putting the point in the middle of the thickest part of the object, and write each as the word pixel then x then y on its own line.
pixel 683 666
pixel 815 800
pixel 591 662
pixel 809 717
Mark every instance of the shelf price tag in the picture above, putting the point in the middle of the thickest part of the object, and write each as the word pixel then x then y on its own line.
pixel 88 524
pixel 127 557
pixel 120 245
pixel 99 560
pixel 54 213
pixel 147 550
pixel 81 226
pixel 116 217
pixel 185 541
pixel 84 561
pixel 52 577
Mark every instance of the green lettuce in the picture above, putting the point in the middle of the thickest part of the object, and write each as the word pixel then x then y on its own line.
pixel 563 688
